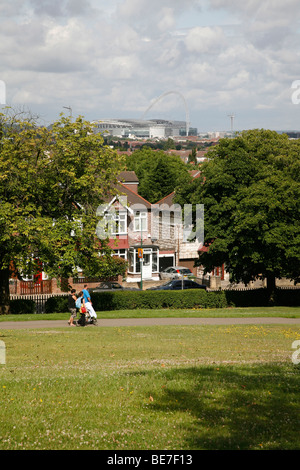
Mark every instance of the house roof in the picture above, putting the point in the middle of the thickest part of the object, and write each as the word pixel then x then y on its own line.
pixel 134 198
pixel 203 248
pixel 118 243
pixel 195 173
pixel 122 189
pixel 128 176
pixel 167 199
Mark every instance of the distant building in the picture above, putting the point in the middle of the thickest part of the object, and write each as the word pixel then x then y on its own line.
pixel 139 128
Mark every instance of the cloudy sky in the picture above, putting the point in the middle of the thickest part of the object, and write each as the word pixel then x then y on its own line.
pixel 114 59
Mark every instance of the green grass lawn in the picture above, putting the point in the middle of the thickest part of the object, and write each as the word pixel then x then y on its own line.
pixel 175 387
pixel 288 312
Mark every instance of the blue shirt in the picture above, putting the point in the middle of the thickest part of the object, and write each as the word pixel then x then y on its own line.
pixel 86 295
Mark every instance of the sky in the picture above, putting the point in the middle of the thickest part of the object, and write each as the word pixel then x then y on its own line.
pixel 201 60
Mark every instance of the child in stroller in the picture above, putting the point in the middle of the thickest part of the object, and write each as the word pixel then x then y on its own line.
pixel 85 317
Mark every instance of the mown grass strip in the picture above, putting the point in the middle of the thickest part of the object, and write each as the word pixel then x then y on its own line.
pixel 285 312
pixel 175 387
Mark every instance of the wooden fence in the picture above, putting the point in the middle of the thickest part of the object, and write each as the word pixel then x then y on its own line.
pixel 31 287
pixel 17 287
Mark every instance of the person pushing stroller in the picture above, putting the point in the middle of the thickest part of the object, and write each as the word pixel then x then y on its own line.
pixel 88 303
pixel 85 316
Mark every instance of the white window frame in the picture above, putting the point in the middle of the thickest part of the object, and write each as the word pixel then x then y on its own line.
pixel 135 262
pixel 140 221
pixel 121 253
pixel 117 222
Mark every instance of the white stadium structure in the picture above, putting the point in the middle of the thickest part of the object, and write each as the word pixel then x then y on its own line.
pixel 140 128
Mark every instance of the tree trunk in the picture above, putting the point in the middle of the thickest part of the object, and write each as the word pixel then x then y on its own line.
pixel 271 288
pixel 4 292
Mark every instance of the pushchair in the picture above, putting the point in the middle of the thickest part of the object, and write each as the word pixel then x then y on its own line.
pixel 86 319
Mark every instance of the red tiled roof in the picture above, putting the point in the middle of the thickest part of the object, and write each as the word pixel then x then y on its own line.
pixel 128 176
pixel 119 243
pixel 203 249
pixel 133 197
pixel 167 199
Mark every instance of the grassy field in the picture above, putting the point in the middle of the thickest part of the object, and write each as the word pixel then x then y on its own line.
pixel 287 312
pixel 175 387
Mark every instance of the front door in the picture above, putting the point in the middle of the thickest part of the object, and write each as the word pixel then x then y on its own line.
pixel 147 264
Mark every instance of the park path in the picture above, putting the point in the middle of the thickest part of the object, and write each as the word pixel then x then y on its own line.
pixel 11 325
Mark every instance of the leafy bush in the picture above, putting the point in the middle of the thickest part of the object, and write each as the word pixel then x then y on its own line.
pixel 56 304
pixel 247 298
pixel 287 297
pixel 20 306
pixel 259 297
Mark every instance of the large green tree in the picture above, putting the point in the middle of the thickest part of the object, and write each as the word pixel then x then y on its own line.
pixel 250 188
pixel 51 182
pixel 159 173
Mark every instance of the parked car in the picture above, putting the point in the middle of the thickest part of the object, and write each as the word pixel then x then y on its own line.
pixel 174 272
pixel 109 286
pixel 177 284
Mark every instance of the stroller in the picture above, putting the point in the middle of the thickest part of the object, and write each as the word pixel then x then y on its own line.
pixel 86 319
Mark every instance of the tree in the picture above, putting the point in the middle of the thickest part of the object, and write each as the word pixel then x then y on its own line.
pixel 51 183
pixel 159 174
pixel 169 144
pixel 193 156
pixel 250 188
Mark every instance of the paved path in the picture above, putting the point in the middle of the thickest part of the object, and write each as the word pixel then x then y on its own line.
pixel 11 325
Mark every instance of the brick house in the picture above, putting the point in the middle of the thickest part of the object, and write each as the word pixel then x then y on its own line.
pixel 128 217
pixel 157 229
pixel 134 224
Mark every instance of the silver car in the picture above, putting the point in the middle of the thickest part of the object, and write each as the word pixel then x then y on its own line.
pixel 175 272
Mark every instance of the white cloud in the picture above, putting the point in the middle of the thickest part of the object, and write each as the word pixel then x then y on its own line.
pixel 114 58
pixel 205 40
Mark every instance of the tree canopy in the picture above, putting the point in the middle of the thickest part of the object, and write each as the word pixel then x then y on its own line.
pixel 250 188
pixel 159 174
pixel 51 182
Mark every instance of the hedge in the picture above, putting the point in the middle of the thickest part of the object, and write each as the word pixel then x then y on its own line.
pixel 287 297
pixel 130 300
pixel 284 297
pixel 247 298
pixel 19 306
pixel 149 299
pixel 157 299
pixel 56 304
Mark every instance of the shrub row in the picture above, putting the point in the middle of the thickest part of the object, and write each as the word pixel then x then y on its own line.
pixel 287 297
pixel 126 300
pixel 56 304
pixel 247 298
pixel 18 306
pixel 259 298
pixel 158 299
